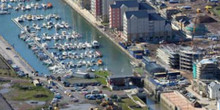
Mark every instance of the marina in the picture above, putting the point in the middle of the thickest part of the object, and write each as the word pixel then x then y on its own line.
pixel 56 33
pixel 59 39
pixel 62 57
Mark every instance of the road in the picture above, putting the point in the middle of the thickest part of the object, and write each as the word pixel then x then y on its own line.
pixel 211 104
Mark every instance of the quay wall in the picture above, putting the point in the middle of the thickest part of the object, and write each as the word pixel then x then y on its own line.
pixel 26 67
pixel 92 20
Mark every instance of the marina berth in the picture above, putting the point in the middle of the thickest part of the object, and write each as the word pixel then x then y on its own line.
pixel 59 51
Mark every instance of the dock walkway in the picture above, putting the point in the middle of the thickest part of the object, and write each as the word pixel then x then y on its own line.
pixel 39 45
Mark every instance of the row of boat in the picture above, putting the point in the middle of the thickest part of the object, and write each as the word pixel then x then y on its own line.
pixel 5 6
pixel 32 17
pixel 56 37
pixel 15 1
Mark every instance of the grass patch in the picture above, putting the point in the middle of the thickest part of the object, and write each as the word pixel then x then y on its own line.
pixel 80 80
pixel 7 72
pixel 105 23
pixel 24 91
pixel 102 75
pixel 125 103
pixel 138 99
pixel 139 70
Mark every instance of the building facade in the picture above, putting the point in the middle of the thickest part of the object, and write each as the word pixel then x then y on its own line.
pixel 169 55
pixel 105 9
pixel 188 57
pixel 206 69
pixel 144 26
pixel 214 90
pixel 117 11
pixel 96 8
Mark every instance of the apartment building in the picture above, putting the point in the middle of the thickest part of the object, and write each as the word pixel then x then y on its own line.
pixel 105 9
pixel 144 26
pixel 117 11
pixel 96 8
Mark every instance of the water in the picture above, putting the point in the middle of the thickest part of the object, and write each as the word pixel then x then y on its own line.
pixel 116 61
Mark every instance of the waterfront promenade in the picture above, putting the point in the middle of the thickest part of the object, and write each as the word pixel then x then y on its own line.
pixel 11 54
pixel 92 20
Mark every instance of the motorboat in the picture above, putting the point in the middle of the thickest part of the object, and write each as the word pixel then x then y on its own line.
pixel 95 44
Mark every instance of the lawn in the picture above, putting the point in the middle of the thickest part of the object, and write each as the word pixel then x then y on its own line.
pixel 139 70
pixel 24 91
pixel 7 72
pixel 138 99
pixel 102 75
pixel 128 102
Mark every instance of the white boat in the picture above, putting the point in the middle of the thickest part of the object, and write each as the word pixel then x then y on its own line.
pixel 28 7
pixel 10 6
pixel 95 44
pixel 3 12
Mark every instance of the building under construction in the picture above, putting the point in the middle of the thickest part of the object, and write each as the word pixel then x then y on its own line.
pixel 169 55
pixel 178 57
pixel 206 69
pixel 187 57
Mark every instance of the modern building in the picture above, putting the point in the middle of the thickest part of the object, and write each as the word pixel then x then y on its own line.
pixel 144 26
pixel 96 8
pixel 117 11
pixel 124 82
pixel 169 54
pixel 152 67
pixel 187 57
pixel 214 90
pixel 206 69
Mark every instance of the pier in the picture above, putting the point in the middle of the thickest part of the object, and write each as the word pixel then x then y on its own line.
pixel 39 45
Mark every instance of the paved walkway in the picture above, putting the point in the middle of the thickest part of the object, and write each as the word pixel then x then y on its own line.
pixel 14 56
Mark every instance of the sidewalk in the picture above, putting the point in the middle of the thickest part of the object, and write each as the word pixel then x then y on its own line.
pixel 14 56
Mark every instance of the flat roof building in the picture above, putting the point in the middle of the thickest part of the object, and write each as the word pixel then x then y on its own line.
pixel 176 101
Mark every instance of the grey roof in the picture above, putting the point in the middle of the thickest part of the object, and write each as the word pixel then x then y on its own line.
pixel 152 67
pixel 155 16
pixel 138 14
pixel 144 14
pixel 129 3
pixel 145 6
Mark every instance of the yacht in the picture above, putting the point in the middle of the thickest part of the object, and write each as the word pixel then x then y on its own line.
pixel 95 44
